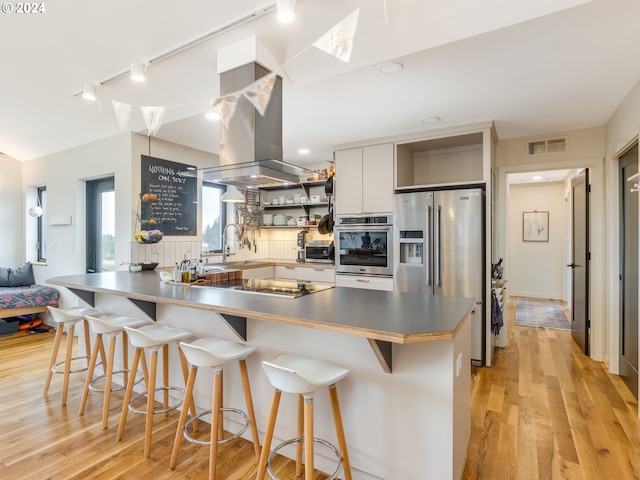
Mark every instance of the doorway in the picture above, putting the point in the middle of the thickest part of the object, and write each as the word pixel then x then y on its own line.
pixel 629 271
pixel 580 258
pixel 101 225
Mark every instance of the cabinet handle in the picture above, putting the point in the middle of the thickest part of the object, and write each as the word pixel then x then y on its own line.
pixel 289 268
pixel 362 281
pixel 318 269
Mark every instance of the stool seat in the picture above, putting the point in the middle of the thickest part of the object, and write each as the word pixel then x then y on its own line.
pixel 152 337
pixel 71 315
pixel 304 376
pixel 111 325
pixel 213 352
pixel 155 336
pixel 68 318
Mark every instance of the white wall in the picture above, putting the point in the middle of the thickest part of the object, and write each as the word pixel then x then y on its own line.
pixel 12 213
pixel 536 269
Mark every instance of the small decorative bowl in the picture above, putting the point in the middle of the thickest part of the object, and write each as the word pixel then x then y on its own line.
pixel 166 276
pixel 135 267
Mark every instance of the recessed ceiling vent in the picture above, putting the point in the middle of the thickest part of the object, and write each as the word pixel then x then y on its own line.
pixel 552 145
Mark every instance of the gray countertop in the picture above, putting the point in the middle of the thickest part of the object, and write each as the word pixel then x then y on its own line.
pixel 377 315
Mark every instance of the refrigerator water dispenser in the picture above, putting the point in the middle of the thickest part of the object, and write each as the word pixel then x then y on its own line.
pixel 411 247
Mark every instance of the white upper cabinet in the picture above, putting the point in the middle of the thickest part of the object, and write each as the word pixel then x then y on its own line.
pixel 364 179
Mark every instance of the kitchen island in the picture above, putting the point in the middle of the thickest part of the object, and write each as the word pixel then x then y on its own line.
pixel 406 409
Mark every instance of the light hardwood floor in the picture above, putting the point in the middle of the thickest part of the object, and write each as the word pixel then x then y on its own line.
pixel 543 411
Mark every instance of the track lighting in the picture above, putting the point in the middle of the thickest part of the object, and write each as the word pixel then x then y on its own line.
pixel 286 10
pixel 90 91
pixel 138 70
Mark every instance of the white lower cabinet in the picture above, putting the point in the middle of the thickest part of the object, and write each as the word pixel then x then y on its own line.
pixel 305 274
pixel 362 281
pixel 260 273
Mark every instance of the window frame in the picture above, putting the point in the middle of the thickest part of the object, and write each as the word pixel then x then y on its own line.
pixel 223 213
pixel 41 194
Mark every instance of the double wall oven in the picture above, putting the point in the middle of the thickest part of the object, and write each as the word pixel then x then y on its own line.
pixel 363 245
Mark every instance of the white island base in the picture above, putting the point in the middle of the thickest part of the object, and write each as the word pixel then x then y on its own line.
pixel 412 424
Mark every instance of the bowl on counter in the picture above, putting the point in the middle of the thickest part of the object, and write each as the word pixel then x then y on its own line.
pixel 149 265
pixel 166 276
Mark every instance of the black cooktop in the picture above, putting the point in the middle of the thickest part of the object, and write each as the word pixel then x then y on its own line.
pixel 274 288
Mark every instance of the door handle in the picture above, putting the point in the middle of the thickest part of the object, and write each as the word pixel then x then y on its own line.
pixel 572 265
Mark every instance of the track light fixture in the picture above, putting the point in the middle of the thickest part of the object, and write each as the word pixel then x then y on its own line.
pixel 90 91
pixel 286 10
pixel 138 70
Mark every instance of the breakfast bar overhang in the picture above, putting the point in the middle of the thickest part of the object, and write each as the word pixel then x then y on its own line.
pixel 409 419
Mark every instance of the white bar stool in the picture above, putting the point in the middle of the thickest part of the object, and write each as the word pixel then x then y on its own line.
pixel 112 326
pixel 152 337
pixel 303 376
pixel 68 318
pixel 215 353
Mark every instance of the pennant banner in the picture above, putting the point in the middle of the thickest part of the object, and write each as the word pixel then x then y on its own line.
pixel 259 92
pixel 339 40
pixel 152 118
pixel 123 114
pixel 226 107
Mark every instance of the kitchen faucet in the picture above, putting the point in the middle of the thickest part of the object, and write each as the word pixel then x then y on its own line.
pixel 224 239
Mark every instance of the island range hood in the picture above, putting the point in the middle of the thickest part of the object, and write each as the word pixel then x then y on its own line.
pixel 251 146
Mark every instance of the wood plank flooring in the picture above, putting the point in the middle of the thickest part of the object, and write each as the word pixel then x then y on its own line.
pixel 543 411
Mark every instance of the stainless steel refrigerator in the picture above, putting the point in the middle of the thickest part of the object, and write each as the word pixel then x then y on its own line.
pixel 439 250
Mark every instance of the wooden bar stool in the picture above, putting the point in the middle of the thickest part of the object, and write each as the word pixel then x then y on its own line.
pixel 68 318
pixel 152 337
pixel 215 353
pixel 304 377
pixel 112 326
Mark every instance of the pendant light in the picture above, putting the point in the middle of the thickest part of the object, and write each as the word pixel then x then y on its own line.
pixel 233 195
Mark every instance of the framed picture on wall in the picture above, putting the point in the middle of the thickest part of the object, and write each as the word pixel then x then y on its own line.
pixel 535 226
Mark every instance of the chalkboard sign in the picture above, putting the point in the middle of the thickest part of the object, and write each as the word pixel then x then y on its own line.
pixel 168 198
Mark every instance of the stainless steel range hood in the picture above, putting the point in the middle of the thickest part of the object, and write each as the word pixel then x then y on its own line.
pixel 251 146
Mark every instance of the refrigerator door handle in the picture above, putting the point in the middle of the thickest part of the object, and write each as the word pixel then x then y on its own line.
pixel 437 247
pixel 427 247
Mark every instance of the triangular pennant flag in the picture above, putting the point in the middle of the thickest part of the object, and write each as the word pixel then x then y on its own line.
pixel 152 118
pixel 259 92
pixel 123 114
pixel 339 40
pixel 226 107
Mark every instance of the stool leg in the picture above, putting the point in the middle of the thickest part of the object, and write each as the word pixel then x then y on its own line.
pixel 87 339
pixel 221 394
pixel 342 441
pixel 54 356
pixel 188 398
pixel 300 433
pixel 191 404
pixel 268 435
pixel 107 381
pixel 308 438
pixel 92 367
pixel 216 420
pixel 249 402
pixel 151 390
pixel 125 357
pixel 128 392
pixel 67 363
pixel 165 376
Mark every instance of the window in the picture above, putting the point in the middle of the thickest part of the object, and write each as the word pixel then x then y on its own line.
pixel 214 216
pixel 42 224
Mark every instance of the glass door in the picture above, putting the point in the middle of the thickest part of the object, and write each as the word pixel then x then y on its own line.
pixel 101 225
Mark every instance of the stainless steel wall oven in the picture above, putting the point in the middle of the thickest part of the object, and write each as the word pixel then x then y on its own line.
pixel 364 245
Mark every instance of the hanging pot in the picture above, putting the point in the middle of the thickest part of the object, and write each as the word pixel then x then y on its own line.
pixel 328 186
pixel 323 226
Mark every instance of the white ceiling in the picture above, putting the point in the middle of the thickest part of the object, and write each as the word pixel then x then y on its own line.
pixel 544 176
pixel 532 67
